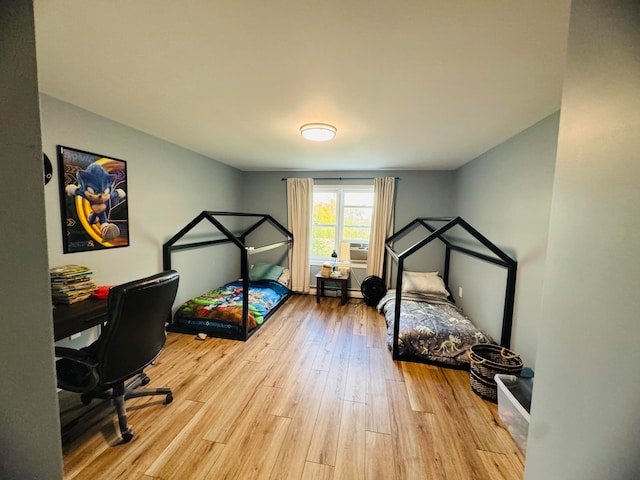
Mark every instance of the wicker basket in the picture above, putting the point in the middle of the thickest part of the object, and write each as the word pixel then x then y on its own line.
pixel 487 360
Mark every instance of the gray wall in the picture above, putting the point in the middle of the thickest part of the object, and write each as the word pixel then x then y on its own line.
pixel 584 424
pixel 30 433
pixel 189 183
pixel 506 194
pixel 167 187
pixel 418 194
pixel 584 420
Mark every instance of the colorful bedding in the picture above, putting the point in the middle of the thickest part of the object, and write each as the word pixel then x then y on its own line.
pixel 221 309
pixel 432 329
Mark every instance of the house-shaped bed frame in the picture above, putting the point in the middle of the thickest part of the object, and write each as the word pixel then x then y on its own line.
pixel 499 258
pixel 239 240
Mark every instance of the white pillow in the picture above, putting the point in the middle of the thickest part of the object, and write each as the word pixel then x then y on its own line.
pixel 284 277
pixel 424 282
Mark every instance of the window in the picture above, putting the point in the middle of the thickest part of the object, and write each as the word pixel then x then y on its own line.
pixel 339 214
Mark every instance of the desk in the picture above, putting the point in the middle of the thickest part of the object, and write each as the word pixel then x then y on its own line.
pixel 320 283
pixel 74 318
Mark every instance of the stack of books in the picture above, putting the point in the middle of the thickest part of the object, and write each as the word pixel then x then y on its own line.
pixel 71 284
pixel 326 269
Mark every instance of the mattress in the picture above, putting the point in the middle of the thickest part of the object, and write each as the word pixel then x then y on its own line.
pixel 432 329
pixel 219 311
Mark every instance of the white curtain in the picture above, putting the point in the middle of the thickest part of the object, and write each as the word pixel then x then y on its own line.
pixel 381 223
pixel 299 207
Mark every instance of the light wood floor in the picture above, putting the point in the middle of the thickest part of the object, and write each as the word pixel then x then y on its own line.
pixel 313 395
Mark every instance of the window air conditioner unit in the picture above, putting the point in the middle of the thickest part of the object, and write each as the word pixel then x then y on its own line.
pixel 358 252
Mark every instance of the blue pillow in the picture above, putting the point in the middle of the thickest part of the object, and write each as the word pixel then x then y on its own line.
pixel 265 271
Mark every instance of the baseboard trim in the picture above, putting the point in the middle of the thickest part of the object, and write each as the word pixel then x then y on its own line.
pixel 350 293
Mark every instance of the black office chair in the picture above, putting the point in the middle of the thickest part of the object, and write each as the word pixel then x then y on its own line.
pixel 132 338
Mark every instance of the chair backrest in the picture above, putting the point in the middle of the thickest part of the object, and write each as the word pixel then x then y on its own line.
pixel 134 334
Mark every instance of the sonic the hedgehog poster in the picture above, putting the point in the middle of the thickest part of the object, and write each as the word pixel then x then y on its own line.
pixel 93 200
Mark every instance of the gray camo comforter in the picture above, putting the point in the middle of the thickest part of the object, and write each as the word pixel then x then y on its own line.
pixel 431 328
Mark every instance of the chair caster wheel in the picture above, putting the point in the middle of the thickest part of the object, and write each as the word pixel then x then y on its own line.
pixel 145 380
pixel 127 436
pixel 85 399
pixel 168 399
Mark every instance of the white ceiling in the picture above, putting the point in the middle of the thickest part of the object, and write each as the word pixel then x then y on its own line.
pixel 410 84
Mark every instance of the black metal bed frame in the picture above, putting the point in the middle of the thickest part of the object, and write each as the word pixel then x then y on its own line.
pixel 240 241
pixel 501 259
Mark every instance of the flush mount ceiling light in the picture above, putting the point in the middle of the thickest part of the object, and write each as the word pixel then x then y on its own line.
pixel 318 132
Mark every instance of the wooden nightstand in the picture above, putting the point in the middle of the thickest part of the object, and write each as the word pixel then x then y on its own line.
pixel 342 281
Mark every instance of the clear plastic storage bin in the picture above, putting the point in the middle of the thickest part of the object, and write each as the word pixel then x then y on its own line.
pixel 514 403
